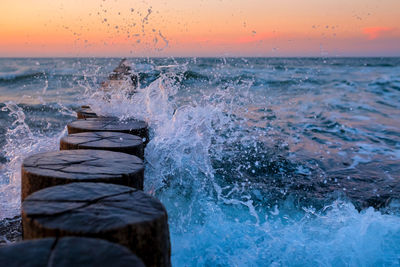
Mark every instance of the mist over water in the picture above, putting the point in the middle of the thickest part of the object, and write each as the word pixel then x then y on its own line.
pixel 258 161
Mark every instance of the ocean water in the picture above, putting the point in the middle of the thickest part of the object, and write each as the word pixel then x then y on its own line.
pixel 259 161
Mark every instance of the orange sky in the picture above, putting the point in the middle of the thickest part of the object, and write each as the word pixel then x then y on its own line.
pixel 199 28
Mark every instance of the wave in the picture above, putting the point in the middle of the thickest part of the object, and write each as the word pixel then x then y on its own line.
pixel 393 84
pixel 12 77
pixel 381 65
pixel 361 64
pixel 367 62
pixel 188 75
pixel 233 199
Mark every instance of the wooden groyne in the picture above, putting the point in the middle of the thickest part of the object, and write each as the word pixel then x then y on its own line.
pixel 87 197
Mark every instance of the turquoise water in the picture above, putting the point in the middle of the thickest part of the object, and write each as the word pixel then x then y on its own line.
pixel 259 161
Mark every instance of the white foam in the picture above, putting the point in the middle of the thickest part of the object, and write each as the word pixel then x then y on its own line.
pixel 20 143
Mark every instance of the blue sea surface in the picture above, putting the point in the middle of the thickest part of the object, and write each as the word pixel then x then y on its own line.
pixel 259 161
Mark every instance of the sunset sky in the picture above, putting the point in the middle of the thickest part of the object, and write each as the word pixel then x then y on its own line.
pixel 199 28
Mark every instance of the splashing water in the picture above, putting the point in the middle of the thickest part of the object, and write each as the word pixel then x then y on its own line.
pixel 216 219
pixel 233 171
pixel 20 143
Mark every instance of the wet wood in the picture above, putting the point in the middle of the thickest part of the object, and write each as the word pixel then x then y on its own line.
pixel 85 112
pixel 112 141
pixel 66 252
pixel 134 127
pixel 61 167
pixel 116 213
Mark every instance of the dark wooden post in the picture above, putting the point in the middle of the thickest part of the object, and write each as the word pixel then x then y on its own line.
pixel 61 167
pixel 112 141
pixel 116 213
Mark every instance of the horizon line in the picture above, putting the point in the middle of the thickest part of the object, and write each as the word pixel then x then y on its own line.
pixel 165 57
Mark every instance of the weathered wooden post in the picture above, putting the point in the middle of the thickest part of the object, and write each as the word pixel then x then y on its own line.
pixel 85 112
pixel 106 124
pixel 61 167
pixel 116 213
pixel 112 141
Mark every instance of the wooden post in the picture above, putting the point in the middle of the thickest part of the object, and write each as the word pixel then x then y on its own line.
pixel 106 124
pixel 116 213
pixel 85 112
pixel 61 167
pixel 112 141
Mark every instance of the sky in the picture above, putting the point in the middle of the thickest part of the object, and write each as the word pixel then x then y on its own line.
pixel 194 28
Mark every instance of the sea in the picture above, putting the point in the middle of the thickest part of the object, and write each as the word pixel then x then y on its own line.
pixel 258 161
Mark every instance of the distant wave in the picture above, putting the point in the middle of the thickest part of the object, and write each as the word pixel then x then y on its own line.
pixel 194 75
pixel 380 65
pixel 365 64
pixel 12 77
pixel 385 85
pixel 187 76
pixel 16 77
pixel 50 107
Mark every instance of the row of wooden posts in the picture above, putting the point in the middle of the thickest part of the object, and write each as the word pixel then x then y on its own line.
pixel 84 206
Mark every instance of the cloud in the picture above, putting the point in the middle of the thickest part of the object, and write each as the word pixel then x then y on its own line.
pixel 376 32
